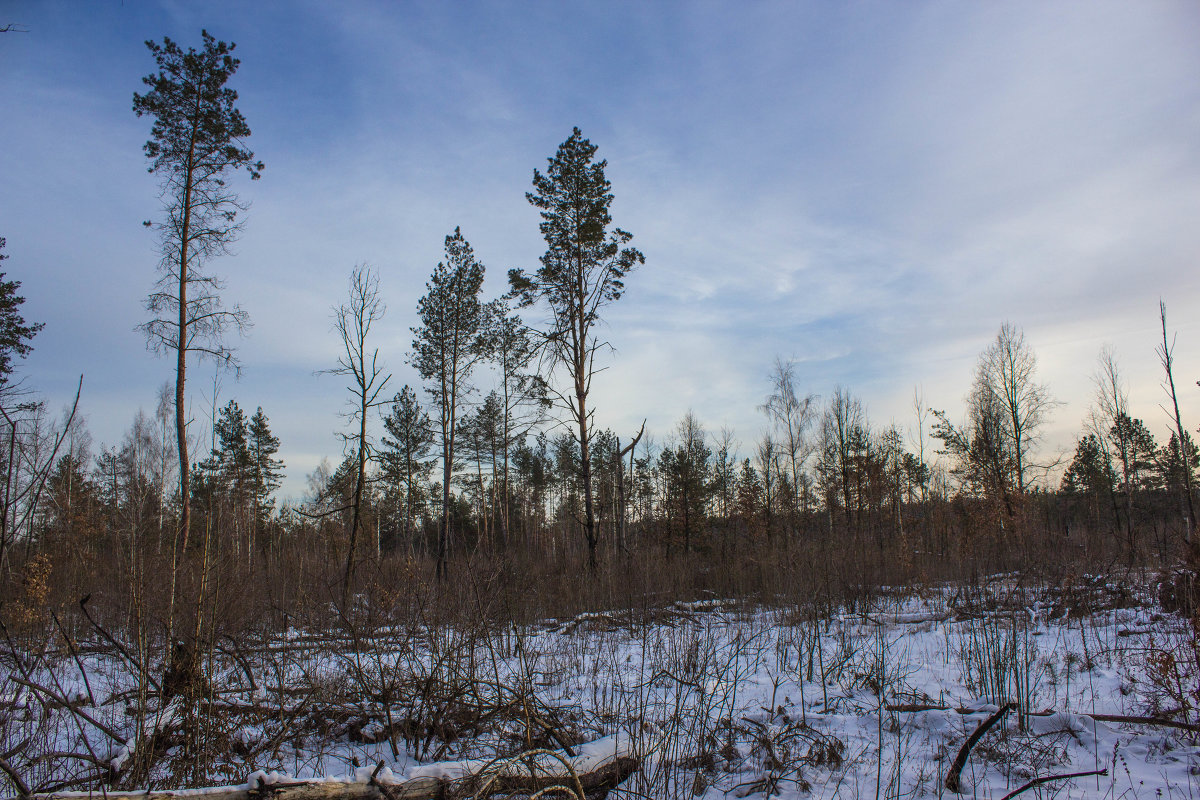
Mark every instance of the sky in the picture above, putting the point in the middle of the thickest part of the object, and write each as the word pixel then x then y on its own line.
pixel 869 190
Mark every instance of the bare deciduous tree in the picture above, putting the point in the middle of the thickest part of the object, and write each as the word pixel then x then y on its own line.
pixel 1108 422
pixel 767 456
pixel 843 434
pixel 792 416
pixel 921 412
pixel 353 321
pixel 1005 375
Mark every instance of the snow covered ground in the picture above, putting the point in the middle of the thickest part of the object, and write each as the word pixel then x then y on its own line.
pixel 718 699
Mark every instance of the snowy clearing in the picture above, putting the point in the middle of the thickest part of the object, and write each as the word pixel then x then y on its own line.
pixel 715 699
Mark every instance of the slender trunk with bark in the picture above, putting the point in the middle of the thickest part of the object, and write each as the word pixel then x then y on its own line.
pixel 580 366
pixel 356 518
pixel 1166 356
pixel 185 516
pixel 185 510
pixel 586 474
pixel 448 419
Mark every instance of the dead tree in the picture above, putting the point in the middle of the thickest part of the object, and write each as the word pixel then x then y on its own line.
pixel 353 321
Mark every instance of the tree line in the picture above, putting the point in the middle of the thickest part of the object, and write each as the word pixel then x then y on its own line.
pixel 820 471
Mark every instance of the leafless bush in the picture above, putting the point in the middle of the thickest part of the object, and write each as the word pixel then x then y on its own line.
pixel 780 750
pixel 1167 674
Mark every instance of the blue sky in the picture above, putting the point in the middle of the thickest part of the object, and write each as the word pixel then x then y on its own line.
pixel 868 188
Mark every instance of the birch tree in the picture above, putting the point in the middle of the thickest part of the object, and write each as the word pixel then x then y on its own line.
pixel 1005 376
pixel 792 417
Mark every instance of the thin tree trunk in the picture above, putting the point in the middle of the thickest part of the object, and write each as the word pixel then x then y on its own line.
pixel 586 477
pixel 185 510
pixel 356 519
pixel 444 525
pixel 1183 454
pixel 506 438
pixel 483 539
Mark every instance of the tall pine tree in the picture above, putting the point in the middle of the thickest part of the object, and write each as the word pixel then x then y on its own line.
pixel 196 141
pixel 15 332
pixel 404 454
pixel 266 473
pixel 447 346
pixel 582 271
pixel 233 453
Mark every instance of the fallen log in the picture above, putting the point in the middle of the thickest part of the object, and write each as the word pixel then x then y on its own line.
pixel 912 618
pixel 1052 778
pixel 416 789
pixel 603 766
pixel 1161 722
pixel 952 777
pixel 912 708
pixel 964 710
pixel 594 785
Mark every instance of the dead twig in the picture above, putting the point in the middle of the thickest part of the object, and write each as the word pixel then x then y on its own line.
pixel 58 698
pixel 1048 778
pixel 108 637
pixel 15 777
pixel 75 655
